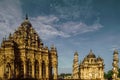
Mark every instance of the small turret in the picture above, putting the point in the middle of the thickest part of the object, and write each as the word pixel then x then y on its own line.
pixel 26 17
pixel 10 36
pixel 53 50
pixel 91 55
pixel 99 58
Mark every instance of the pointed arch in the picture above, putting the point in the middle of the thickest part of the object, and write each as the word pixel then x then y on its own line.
pixel 29 68
pixel 7 70
pixel 36 69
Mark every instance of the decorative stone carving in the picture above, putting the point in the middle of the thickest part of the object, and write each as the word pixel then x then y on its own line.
pixel 23 45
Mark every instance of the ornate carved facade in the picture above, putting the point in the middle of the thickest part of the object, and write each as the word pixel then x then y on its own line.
pixel 91 68
pixel 23 55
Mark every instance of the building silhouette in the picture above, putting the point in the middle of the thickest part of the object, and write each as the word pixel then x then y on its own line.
pixel 91 68
pixel 23 55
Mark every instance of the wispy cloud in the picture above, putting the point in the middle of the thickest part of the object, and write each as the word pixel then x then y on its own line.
pixel 75 9
pixel 74 28
pixel 46 28
pixel 10 16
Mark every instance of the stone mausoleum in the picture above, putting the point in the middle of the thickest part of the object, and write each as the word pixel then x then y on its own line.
pixel 23 55
pixel 91 68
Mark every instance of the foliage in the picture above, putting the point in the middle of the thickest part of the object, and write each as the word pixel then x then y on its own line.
pixel 119 73
pixel 64 74
pixel 108 75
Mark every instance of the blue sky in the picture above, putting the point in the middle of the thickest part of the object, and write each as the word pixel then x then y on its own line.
pixel 71 25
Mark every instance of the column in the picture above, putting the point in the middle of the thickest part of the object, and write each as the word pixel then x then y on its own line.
pixel 40 70
pixel 47 70
pixel 33 69
pixel 55 72
pixel 100 72
pixel 12 71
pixel 9 73
pixel 24 65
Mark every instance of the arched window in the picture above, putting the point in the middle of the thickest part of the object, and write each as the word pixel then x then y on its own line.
pixel 43 70
pixel 36 69
pixel 29 68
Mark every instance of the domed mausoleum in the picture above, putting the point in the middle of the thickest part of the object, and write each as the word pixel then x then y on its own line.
pixel 23 55
pixel 91 68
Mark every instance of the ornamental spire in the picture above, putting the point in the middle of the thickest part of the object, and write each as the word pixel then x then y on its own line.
pixel 26 17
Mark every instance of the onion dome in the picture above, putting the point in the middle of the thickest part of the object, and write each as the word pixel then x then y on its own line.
pixel 85 60
pixel 91 55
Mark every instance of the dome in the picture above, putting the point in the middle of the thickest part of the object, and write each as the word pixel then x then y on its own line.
pixel 99 58
pixel 85 60
pixel 76 53
pixel 91 55
pixel 115 51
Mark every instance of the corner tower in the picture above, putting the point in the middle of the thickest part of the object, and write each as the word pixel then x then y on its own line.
pixel 75 74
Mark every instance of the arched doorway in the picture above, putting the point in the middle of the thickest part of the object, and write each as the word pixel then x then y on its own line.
pixel 29 68
pixel 7 73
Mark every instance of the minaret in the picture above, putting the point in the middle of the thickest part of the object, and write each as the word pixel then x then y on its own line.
pixel 75 67
pixel 115 65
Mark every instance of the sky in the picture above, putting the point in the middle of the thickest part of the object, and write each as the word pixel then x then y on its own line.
pixel 71 25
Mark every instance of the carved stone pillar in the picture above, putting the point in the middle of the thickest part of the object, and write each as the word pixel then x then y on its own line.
pixel 9 72
pixel 24 65
pixel 100 73
pixel 55 72
pixel 47 70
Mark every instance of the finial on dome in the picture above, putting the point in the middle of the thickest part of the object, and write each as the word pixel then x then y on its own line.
pixel 26 17
pixel 116 51
pixel 90 50
pixel 52 46
pixel 3 39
